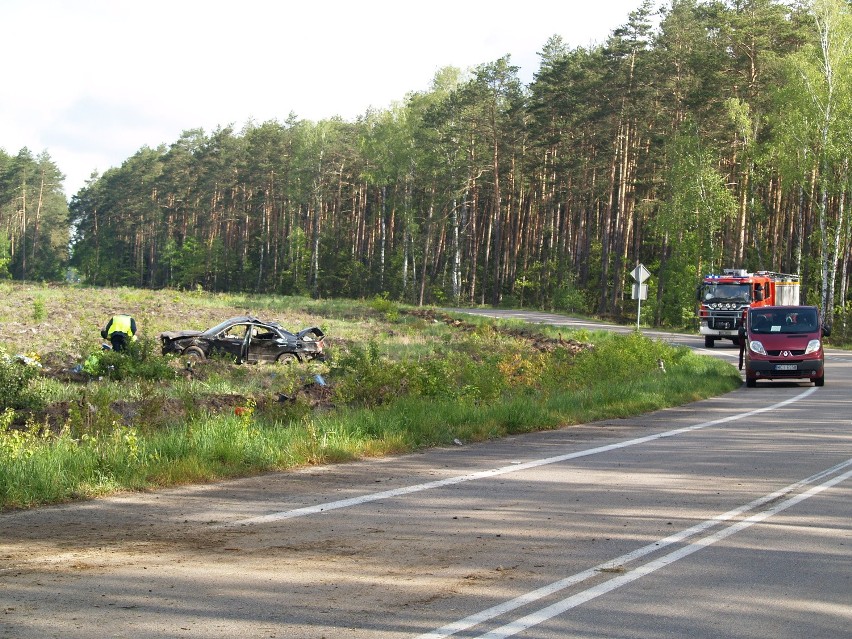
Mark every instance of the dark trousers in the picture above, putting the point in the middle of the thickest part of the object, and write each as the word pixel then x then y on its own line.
pixel 119 341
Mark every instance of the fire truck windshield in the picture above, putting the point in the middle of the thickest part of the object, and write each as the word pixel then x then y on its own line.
pixel 726 292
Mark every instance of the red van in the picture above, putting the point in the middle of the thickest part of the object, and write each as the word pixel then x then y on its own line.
pixel 783 342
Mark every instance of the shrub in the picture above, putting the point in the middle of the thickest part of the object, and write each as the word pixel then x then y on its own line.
pixel 390 309
pixel 138 362
pixel 368 379
pixel 453 377
pixel 16 391
pixel 39 311
pixel 617 358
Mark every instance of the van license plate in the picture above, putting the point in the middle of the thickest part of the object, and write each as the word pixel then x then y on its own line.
pixel 785 367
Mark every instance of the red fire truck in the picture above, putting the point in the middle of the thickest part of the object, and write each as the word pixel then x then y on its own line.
pixel 723 299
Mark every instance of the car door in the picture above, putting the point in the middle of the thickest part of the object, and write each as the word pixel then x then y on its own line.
pixel 264 344
pixel 231 341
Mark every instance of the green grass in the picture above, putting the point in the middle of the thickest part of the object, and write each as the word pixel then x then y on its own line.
pixel 398 382
pixel 38 469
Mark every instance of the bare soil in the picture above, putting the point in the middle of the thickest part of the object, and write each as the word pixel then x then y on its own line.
pixel 537 342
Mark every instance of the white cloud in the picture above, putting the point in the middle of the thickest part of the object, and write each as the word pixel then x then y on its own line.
pixel 92 81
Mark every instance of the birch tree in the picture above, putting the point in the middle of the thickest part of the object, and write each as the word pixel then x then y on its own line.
pixel 815 128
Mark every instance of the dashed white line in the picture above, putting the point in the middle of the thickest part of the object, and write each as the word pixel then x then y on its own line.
pixel 494 472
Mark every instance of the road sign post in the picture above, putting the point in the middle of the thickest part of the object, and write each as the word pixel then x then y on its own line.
pixel 640 289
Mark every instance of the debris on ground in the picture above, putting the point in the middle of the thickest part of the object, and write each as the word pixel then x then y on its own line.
pixel 539 342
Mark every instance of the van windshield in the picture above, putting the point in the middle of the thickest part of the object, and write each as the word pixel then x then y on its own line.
pixel 765 320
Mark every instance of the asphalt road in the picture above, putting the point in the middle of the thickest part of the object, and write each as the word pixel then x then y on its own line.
pixel 726 518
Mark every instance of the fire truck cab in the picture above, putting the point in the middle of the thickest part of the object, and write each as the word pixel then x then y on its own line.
pixel 724 299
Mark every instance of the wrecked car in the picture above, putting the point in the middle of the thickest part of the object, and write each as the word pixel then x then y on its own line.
pixel 246 339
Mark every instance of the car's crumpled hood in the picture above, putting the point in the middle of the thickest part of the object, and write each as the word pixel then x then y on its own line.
pixel 179 334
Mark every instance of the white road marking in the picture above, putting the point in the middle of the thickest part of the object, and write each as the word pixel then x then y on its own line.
pixel 573 601
pixel 494 472
pixel 718 353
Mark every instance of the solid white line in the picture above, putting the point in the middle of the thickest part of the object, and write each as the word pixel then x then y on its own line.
pixel 567 604
pixel 720 353
pixel 494 472
pixel 545 591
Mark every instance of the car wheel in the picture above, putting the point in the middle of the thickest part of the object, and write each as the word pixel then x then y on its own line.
pixel 751 383
pixel 819 381
pixel 194 353
pixel 287 358
pixel 709 341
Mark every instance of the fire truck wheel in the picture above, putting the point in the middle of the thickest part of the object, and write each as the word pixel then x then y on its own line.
pixel 709 341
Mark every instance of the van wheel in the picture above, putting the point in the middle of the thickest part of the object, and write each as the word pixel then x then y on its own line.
pixel 751 383
pixel 709 341
pixel 819 381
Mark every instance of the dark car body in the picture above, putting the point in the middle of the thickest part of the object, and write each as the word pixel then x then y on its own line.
pixel 784 342
pixel 246 339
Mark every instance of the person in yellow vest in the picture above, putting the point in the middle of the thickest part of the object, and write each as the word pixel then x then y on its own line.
pixel 120 330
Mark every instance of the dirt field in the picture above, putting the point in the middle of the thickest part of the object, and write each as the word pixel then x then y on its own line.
pixel 68 320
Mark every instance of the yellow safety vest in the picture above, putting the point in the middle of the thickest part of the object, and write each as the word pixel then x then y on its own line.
pixel 120 324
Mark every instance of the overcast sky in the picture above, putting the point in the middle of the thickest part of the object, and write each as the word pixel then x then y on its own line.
pixel 93 81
